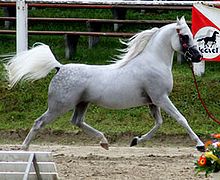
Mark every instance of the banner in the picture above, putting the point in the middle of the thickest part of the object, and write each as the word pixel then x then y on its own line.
pixel 206 30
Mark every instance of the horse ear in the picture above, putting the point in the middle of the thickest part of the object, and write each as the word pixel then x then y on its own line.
pixel 177 21
pixel 182 19
pixel 178 24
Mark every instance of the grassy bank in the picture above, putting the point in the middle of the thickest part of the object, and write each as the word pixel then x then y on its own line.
pixel 20 106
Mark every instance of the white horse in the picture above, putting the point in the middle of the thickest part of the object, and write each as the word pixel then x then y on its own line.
pixel 141 76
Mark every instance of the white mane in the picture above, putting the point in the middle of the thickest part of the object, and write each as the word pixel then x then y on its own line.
pixel 135 46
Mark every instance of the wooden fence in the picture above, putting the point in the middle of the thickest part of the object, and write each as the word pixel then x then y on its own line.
pixel 71 38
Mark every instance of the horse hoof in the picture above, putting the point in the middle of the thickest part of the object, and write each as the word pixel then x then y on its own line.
pixel 134 142
pixel 200 148
pixel 104 145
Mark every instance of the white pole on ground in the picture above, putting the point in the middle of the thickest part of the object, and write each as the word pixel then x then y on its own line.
pixel 199 68
pixel 21 26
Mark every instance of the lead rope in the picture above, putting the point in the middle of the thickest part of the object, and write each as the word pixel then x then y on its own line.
pixel 200 98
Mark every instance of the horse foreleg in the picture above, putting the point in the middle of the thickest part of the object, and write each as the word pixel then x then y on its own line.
pixel 46 118
pixel 78 120
pixel 155 111
pixel 168 106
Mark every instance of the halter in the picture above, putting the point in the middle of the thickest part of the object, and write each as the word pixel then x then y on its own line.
pixel 188 56
pixel 187 50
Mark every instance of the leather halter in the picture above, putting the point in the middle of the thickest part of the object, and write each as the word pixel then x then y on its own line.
pixel 186 49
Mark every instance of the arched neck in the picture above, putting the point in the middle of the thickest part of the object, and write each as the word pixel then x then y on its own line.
pixel 162 46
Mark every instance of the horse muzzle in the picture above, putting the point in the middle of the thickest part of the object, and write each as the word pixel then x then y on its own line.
pixel 192 54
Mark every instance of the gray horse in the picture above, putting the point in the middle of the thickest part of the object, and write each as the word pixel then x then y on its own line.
pixel 141 76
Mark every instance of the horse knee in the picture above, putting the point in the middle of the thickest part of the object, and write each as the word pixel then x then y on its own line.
pixel 159 123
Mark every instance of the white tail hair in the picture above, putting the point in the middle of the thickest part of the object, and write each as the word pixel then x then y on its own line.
pixel 30 65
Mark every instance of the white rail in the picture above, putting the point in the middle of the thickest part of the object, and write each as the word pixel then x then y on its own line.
pixel 118 2
pixel 125 2
pixel 27 165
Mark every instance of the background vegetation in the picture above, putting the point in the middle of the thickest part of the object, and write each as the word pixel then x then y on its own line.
pixel 20 106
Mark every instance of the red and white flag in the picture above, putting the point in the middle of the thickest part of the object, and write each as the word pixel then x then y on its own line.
pixel 206 30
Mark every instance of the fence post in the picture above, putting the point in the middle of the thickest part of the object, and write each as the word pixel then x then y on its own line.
pixel 21 26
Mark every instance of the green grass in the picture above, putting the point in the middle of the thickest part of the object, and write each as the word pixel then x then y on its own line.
pixel 20 106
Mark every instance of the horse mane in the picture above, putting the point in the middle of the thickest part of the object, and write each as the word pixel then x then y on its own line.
pixel 135 46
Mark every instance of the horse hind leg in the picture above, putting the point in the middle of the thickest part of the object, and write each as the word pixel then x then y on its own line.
pixel 78 120
pixel 155 111
pixel 44 119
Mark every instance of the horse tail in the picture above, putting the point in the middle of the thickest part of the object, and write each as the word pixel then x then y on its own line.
pixel 30 65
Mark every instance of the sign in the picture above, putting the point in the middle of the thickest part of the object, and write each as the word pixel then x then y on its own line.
pixel 206 31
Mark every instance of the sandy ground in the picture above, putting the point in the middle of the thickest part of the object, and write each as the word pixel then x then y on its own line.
pixel 122 163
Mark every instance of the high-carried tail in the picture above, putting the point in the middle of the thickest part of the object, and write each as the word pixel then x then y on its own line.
pixel 31 65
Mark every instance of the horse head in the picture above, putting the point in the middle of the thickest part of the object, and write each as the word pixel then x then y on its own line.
pixel 186 43
pixel 216 32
